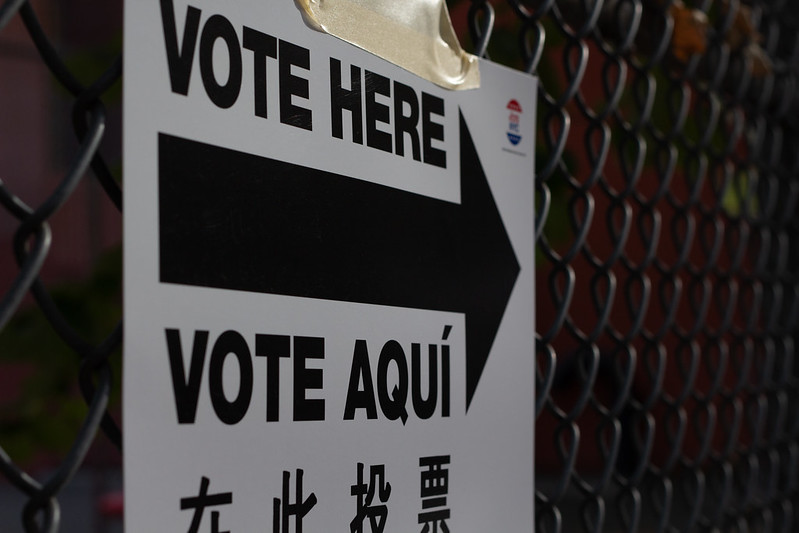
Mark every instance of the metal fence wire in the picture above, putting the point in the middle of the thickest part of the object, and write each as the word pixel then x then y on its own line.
pixel 667 259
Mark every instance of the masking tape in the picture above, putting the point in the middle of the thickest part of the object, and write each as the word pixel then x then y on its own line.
pixel 416 35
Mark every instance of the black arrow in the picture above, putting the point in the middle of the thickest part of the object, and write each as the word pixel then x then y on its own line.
pixel 237 221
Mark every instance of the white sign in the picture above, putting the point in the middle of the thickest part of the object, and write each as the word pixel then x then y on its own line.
pixel 328 283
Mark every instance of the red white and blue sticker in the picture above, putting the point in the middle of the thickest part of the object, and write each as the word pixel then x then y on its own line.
pixel 514 116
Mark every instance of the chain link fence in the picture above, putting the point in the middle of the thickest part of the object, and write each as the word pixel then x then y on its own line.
pixel 30 246
pixel 667 263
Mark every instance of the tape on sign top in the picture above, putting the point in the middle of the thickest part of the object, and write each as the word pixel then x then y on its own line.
pixel 416 35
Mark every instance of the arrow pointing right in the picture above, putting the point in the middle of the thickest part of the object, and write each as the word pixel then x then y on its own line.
pixel 237 221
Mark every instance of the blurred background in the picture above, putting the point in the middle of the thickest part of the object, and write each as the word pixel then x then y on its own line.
pixel 41 408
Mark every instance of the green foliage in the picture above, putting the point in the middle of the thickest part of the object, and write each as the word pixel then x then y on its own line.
pixel 557 226
pixel 48 410
pixel 739 198
pixel 89 63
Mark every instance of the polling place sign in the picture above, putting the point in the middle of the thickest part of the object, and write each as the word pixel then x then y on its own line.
pixel 328 283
